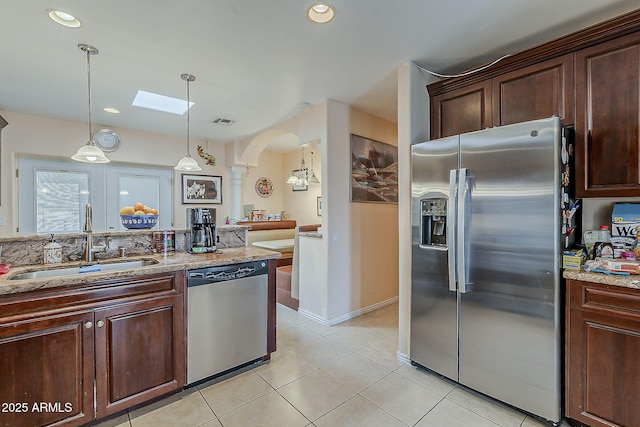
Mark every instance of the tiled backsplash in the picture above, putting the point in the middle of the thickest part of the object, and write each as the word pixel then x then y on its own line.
pixel 29 250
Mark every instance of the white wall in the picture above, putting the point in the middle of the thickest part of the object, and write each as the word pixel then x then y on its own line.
pixel 56 138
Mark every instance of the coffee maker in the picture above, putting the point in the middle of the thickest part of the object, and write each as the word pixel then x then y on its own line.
pixel 201 227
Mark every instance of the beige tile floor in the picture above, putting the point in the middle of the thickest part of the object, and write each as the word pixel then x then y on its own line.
pixel 346 375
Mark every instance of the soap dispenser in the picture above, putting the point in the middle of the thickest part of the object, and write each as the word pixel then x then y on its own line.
pixel 52 252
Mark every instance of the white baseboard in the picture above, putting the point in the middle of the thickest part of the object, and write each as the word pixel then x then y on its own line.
pixel 404 358
pixel 313 317
pixel 351 315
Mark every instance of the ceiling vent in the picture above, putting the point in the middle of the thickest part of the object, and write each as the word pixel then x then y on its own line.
pixel 222 121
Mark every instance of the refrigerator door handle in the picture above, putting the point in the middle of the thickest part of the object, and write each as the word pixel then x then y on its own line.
pixel 451 230
pixel 460 229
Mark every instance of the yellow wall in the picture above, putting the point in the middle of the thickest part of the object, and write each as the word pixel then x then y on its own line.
pixel 302 204
pixel 374 228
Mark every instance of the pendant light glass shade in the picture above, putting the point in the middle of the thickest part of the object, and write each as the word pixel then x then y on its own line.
pixel 89 153
pixel 187 163
pixel 313 178
pixel 293 180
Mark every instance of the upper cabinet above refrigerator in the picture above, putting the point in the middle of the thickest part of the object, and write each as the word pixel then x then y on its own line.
pixel 589 78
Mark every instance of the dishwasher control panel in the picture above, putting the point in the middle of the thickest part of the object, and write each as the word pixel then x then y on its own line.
pixel 223 273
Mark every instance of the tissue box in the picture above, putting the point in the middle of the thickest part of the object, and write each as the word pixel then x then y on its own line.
pixel 625 217
pixel 573 259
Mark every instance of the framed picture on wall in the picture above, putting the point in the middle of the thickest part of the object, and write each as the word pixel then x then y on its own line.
pixel 374 171
pixel 201 189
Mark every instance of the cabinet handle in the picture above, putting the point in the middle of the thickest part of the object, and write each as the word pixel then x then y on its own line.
pixel 100 323
pixel 88 325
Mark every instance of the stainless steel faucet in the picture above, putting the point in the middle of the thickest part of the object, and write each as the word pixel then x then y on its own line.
pixel 89 247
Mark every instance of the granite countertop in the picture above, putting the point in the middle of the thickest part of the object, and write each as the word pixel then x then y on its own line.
pixel 169 263
pixel 630 281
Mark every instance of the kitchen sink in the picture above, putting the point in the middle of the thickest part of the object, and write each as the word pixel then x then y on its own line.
pixel 92 268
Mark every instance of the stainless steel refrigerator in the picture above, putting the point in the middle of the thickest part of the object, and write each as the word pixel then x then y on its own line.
pixel 486 236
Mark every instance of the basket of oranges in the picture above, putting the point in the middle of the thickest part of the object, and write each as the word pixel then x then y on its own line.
pixel 138 216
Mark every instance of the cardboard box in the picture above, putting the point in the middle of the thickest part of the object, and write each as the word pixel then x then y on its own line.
pixel 573 259
pixel 625 217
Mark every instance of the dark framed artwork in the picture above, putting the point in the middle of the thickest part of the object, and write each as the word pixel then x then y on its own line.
pixel 201 189
pixel 374 171
pixel 319 206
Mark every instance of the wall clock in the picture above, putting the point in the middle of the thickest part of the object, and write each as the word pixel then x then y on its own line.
pixel 106 139
pixel 264 187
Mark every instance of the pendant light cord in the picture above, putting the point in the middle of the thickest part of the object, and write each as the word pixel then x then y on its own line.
pixel 188 109
pixel 89 88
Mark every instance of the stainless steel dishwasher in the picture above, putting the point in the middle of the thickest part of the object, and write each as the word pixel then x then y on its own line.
pixel 227 318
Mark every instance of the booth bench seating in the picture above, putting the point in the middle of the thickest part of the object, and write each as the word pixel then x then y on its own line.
pixel 261 231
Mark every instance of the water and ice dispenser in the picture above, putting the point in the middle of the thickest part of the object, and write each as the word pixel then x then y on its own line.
pixel 433 222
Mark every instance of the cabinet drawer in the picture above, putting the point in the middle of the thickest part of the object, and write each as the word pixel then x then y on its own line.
pixel 57 300
pixel 604 298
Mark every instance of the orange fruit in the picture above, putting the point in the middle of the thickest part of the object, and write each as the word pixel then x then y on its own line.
pixel 139 213
pixel 127 210
pixel 138 207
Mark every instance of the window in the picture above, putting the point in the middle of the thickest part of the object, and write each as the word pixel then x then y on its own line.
pixel 53 193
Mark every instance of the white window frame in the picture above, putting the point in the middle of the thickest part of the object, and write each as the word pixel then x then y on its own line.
pixel 103 188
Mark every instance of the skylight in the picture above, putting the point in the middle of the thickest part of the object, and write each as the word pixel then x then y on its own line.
pixel 166 104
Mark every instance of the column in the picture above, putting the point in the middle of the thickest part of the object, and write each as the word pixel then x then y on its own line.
pixel 236 191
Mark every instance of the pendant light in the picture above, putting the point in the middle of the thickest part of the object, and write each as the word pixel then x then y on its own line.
pixel 313 178
pixel 90 153
pixel 294 179
pixel 187 163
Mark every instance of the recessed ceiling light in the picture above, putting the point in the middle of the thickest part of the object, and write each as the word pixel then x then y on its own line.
pixel 320 13
pixel 111 110
pixel 166 104
pixel 64 18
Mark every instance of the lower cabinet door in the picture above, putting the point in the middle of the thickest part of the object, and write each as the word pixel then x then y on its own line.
pixel 139 352
pixel 604 379
pixel 47 371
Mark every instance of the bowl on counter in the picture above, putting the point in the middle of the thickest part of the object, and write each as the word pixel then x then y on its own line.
pixel 139 221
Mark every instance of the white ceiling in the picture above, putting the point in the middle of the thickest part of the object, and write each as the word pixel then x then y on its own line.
pixel 257 62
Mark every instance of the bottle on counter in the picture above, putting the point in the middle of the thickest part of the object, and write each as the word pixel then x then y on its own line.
pixel 636 245
pixel 52 252
pixel 603 247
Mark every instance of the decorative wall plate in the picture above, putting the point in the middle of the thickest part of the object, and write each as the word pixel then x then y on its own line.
pixel 106 139
pixel 264 187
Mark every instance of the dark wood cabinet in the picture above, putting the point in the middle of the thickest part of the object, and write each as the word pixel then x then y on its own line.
pixel 607 118
pixel 536 92
pixel 139 352
pixel 127 335
pixel 590 78
pixel 462 110
pixel 47 371
pixel 602 347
